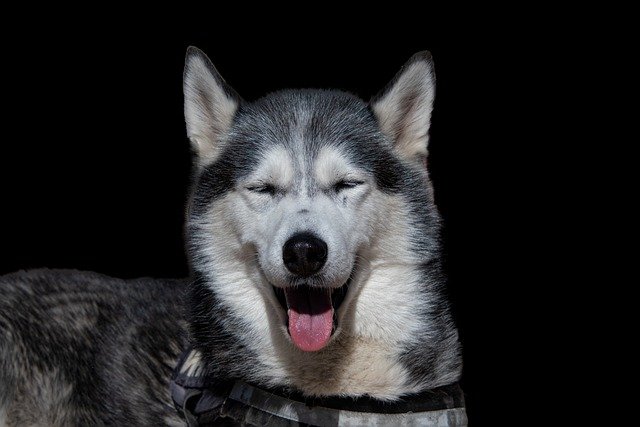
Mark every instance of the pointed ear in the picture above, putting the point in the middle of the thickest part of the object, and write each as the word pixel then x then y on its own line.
pixel 403 108
pixel 209 106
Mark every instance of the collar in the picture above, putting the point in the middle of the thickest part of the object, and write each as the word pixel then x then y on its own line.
pixel 202 400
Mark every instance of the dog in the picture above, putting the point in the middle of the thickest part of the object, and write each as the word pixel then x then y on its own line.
pixel 315 249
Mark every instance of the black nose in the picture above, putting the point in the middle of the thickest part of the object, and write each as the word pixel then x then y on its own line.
pixel 304 254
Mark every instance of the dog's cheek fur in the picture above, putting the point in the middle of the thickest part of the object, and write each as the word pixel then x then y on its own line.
pixel 233 293
pixel 262 216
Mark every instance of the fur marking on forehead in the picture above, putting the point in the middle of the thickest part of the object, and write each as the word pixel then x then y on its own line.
pixel 276 167
pixel 331 165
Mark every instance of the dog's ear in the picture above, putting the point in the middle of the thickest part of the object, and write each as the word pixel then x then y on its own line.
pixel 403 108
pixel 209 105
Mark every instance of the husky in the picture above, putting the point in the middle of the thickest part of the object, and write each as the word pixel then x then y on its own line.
pixel 315 249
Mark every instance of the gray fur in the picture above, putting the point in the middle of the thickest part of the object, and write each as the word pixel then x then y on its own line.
pixel 81 348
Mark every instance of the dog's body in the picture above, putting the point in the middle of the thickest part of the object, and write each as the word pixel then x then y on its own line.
pixel 85 349
pixel 314 243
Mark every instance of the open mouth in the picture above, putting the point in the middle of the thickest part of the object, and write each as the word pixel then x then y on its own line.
pixel 311 313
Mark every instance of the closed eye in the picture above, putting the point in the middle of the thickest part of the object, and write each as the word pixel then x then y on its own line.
pixel 346 184
pixel 263 189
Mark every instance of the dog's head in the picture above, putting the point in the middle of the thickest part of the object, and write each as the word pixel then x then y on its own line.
pixel 302 196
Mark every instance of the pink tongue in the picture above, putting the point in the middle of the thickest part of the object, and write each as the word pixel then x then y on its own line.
pixel 310 317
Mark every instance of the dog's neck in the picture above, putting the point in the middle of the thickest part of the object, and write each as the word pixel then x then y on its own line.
pixel 202 399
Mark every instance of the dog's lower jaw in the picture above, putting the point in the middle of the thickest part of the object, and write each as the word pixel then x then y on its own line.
pixel 349 366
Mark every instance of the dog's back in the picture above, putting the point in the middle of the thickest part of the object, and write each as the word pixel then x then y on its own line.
pixel 79 348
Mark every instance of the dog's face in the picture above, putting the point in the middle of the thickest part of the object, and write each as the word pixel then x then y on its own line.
pixel 295 192
pixel 306 203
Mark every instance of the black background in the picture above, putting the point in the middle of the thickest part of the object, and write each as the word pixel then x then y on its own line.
pixel 95 163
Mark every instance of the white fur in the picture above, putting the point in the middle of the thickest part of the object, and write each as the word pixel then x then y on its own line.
pixel 404 111
pixel 243 289
pixel 208 110
pixel 275 167
pixel 191 366
pixel 303 204
pixel 331 166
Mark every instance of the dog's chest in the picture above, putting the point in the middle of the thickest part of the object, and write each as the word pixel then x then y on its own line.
pixel 350 367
